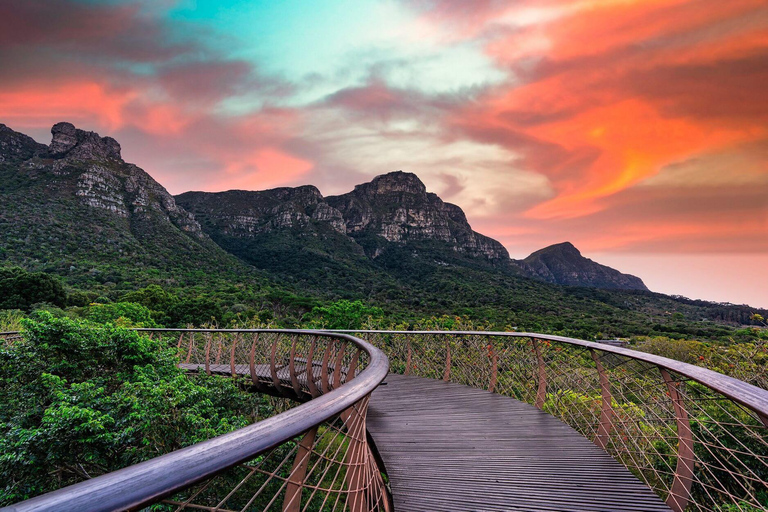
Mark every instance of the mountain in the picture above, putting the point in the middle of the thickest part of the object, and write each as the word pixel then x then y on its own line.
pixel 76 208
pixel 388 233
pixel 291 233
pixel 396 208
pixel 564 264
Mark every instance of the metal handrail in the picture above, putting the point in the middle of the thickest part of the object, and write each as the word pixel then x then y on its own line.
pixel 150 481
pixel 696 445
pixel 739 391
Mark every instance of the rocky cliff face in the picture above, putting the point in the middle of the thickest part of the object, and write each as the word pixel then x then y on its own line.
pixel 245 214
pixel 395 208
pixel 564 264
pixel 78 198
pixel 105 181
pixel 398 208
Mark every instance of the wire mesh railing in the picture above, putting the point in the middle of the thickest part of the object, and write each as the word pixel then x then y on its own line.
pixel 698 438
pixel 311 457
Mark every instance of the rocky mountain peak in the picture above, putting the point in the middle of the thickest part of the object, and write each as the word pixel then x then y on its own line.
pixel 397 181
pixel 72 142
pixel 563 264
pixel 563 249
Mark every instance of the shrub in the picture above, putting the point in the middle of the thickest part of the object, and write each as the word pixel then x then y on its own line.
pixel 78 400
pixel 124 314
pixel 20 289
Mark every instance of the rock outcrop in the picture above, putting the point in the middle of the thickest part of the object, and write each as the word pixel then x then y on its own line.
pixel 563 264
pixel 246 213
pixel 17 147
pixel 103 180
pixel 70 142
pixel 78 199
pixel 394 208
pixel 398 208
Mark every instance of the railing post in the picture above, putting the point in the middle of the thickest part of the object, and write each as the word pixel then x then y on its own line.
pixel 191 343
pixel 325 386
pixel 310 364
pixel 273 368
pixel 232 368
pixel 494 366
pixel 680 493
pixel 541 393
pixel 292 368
pixel 356 456
pixel 208 355
pixel 218 349
pixel 408 359
pixel 350 374
pixel 337 369
pixel 292 500
pixel 606 411
pixel 447 373
pixel 254 377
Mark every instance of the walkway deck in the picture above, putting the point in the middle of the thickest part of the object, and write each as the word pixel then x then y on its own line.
pixel 448 447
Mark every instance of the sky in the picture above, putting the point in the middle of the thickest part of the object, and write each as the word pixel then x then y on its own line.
pixel 637 130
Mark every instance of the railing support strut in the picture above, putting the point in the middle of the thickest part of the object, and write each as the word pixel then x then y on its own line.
pixel 447 373
pixel 541 392
pixel 606 411
pixel 292 500
pixel 680 493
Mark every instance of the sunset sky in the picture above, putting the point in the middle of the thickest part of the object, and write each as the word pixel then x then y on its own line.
pixel 637 130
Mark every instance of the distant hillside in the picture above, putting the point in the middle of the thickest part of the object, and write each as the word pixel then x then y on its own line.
pixel 564 264
pixel 76 208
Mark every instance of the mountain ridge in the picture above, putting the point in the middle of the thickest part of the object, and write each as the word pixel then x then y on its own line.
pixel 388 228
pixel 564 264
pixel 103 220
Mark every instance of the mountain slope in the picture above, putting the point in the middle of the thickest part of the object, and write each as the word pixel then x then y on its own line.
pixel 396 208
pixel 76 208
pixel 563 264
pixel 389 233
pixel 291 233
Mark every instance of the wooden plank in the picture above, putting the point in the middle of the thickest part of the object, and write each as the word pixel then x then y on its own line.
pixel 451 447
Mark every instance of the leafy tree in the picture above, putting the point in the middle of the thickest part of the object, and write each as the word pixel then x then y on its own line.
pixel 20 289
pixel 195 311
pixel 81 299
pixel 344 314
pixel 125 314
pixel 153 297
pixel 78 400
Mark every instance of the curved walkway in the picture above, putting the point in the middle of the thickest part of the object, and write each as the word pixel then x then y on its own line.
pixel 449 447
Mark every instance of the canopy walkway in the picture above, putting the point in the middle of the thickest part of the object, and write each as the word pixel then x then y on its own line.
pixel 463 421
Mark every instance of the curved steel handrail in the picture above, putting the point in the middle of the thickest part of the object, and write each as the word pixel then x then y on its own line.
pixel 147 482
pixel 716 449
pixel 739 391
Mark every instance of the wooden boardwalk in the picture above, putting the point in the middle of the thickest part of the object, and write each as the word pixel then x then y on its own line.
pixel 448 447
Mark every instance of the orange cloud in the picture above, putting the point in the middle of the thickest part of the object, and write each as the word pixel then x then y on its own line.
pixel 262 169
pixel 612 92
pixel 76 100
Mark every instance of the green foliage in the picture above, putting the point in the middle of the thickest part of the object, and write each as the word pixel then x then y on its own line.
pixel 10 320
pixel 124 314
pixel 153 297
pixel 197 311
pixel 344 314
pixel 78 400
pixel 81 299
pixel 20 289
